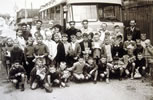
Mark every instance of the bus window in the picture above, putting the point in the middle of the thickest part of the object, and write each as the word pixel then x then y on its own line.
pixel 52 14
pixel 109 12
pixel 57 13
pixel 69 14
pixel 81 12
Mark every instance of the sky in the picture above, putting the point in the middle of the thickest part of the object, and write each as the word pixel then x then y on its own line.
pixel 8 6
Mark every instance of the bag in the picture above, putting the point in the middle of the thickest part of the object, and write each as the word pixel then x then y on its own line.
pixel 137 74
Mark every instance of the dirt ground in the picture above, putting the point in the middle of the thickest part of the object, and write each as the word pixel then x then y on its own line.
pixel 116 90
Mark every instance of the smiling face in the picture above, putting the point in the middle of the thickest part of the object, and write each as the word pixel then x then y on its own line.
pixel 19 33
pixel 104 26
pixel 85 24
pixel 72 24
pixel 38 25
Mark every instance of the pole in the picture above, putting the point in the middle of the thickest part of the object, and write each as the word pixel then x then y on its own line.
pixel 25 11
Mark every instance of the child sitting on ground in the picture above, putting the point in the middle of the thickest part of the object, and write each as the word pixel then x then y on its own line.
pixel 103 69
pixel 140 66
pixel 53 77
pixel 77 69
pixel 129 61
pixel 90 71
pixel 64 74
pixel 17 75
pixel 37 76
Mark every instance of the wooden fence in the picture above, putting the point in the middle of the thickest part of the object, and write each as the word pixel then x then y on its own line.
pixel 142 12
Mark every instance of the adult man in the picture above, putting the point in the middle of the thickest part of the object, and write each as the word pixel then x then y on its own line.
pixel 26 33
pixel 37 31
pixel 132 30
pixel 71 30
pixel 86 28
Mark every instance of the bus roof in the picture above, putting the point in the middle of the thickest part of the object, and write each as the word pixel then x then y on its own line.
pixel 53 3
pixel 94 1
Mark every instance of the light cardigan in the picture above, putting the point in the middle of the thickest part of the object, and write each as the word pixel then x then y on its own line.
pixel 52 47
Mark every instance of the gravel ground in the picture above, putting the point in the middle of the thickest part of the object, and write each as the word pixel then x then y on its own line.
pixel 116 90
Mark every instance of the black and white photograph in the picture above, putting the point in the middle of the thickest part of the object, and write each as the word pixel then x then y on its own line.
pixel 76 50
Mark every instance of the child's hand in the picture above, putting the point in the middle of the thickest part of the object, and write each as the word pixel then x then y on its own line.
pixel 143 67
pixel 27 63
pixel 18 74
pixel 75 58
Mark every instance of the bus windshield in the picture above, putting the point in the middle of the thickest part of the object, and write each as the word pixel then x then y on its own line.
pixel 94 12
pixel 81 12
pixel 109 12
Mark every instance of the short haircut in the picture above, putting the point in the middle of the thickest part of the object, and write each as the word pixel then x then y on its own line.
pixel 104 24
pixel 58 26
pixel 85 35
pixel 64 35
pixel 133 20
pixel 23 24
pixel 72 35
pixel 96 33
pixel 91 34
pixel 18 30
pixel 116 26
pixel 85 21
pixel 39 21
pixel 129 34
pixel 40 36
pixel 143 33
pixel 79 31
pixel 72 22
pixel 119 36
pixel 107 33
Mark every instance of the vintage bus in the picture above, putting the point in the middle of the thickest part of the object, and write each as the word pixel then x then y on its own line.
pixel 95 11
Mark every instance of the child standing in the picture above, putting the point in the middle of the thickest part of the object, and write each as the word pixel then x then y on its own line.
pixel 7 53
pixel 17 54
pixel 40 49
pixel 107 50
pixel 96 47
pixel 52 48
pixel 86 47
pixel 20 39
pixel 29 56
pixel 79 36
pixel 60 56
pixel 129 43
pixel 75 50
pixel 66 47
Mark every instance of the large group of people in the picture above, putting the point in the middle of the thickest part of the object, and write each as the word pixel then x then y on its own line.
pixel 51 57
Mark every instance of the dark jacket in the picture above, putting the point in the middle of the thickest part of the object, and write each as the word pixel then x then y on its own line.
pixel 17 55
pixel 135 33
pixel 71 31
pixel 60 52
pixel 14 70
pixel 83 47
